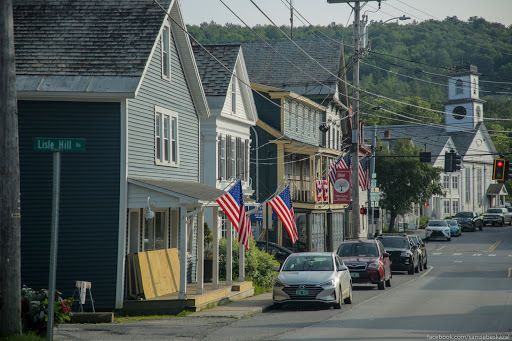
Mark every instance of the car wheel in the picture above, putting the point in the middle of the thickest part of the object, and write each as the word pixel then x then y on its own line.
pixel 481 227
pixel 421 265
pixel 348 300
pixel 388 282
pixel 380 285
pixel 337 305
pixel 449 239
pixel 417 268
pixel 425 266
pixel 411 270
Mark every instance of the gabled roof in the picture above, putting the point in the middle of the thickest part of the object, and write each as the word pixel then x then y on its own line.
pixel 267 67
pixel 95 47
pixel 495 189
pixel 214 76
pixel 85 38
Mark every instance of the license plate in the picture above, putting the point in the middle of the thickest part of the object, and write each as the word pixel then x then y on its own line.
pixel 302 292
pixel 354 275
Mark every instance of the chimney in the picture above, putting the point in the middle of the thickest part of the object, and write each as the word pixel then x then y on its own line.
pixel 387 134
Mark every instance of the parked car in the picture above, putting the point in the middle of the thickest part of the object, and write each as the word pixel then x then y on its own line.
pixel 313 277
pixel 404 255
pixel 367 261
pixel 455 229
pixel 436 229
pixel 469 220
pixel 279 252
pixel 422 247
pixel 497 216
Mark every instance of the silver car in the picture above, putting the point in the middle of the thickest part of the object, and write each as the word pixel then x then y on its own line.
pixel 313 277
pixel 437 228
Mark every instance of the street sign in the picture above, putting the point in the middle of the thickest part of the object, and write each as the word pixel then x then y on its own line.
pixel 62 144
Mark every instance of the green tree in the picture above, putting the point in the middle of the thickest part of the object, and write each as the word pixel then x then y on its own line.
pixel 403 179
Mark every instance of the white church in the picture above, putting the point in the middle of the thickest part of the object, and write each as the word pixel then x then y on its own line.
pixel 471 188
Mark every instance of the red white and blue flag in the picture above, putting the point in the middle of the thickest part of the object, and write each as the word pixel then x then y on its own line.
pixel 319 190
pixel 282 205
pixel 325 184
pixel 232 203
pixel 343 162
pixel 364 176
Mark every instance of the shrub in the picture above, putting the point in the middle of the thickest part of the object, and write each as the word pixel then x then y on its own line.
pixel 34 309
pixel 423 221
pixel 259 265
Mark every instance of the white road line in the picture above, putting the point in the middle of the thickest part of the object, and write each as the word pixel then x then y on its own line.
pixel 457 254
pixel 437 253
pixel 477 254
pixel 492 255
pixel 442 247
pixel 457 261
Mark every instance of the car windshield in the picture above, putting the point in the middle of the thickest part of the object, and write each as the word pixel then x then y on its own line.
pixel 358 249
pixel 452 222
pixel 308 263
pixel 437 223
pixel 399 243
pixel 415 240
pixel 464 215
pixel 494 210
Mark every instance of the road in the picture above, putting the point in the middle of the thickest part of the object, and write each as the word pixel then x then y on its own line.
pixel 467 291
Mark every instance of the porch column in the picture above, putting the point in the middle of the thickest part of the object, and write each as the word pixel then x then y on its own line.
pixel 229 253
pixel 241 263
pixel 200 253
pixel 183 254
pixel 215 268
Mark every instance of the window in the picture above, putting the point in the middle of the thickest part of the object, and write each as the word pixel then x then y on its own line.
pixel 290 118
pixel 166 53
pixel 166 137
pixel 446 181
pixel 297 118
pixel 233 93
pixel 455 181
pixel 455 207
pixel 315 124
pixel 222 157
pixel 309 121
pixel 458 87
pixel 447 207
pixel 468 185
pixel 303 119
pixel 479 184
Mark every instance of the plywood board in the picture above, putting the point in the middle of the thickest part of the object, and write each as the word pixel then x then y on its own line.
pixel 157 272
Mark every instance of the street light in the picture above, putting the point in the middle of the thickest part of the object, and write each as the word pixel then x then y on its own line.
pixel 403 17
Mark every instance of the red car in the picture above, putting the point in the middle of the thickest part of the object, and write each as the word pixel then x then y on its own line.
pixel 367 261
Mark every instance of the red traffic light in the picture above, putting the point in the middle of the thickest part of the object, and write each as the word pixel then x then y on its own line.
pixel 499 163
pixel 498 170
pixel 363 210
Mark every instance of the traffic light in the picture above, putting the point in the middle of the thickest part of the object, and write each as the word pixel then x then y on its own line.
pixel 508 170
pixel 456 162
pixel 498 170
pixel 448 162
pixel 425 157
pixel 363 210
pixel 376 213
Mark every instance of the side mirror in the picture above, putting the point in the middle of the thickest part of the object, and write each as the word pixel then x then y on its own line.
pixel 342 268
pixel 277 268
pixel 385 254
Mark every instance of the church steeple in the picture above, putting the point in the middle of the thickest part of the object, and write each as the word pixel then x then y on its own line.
pixel 464 108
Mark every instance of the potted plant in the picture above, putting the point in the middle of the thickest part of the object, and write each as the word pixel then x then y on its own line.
pixel 208 253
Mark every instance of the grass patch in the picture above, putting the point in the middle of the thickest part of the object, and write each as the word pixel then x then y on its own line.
pixel 260 290
pixel 122 319
pixel 23 337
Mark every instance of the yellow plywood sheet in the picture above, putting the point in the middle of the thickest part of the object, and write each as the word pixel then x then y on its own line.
pixel 157 272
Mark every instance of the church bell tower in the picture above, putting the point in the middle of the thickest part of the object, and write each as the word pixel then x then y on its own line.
pixel 464 109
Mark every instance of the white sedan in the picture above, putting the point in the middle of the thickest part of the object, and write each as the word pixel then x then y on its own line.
pixel 313 277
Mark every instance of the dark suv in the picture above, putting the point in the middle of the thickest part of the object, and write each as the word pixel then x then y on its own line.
pixel 402 251
pixel 367 261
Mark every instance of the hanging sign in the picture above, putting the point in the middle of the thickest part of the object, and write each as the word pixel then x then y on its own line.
pixel 341 193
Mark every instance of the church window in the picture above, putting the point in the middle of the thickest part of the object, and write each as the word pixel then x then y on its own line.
pixel 459 112
pixel 458 87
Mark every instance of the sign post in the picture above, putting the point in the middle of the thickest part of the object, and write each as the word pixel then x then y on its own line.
pixel 56 145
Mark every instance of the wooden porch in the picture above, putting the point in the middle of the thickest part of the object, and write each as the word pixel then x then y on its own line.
pixel 170 304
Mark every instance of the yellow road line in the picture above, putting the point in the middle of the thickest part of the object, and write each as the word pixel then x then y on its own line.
pixel 493 246
pixel 509 271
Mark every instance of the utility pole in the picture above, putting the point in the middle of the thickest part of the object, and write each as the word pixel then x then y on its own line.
pixel 291 19
pixel 10 236
pixel 358 53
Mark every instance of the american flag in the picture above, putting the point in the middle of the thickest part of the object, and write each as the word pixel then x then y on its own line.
pixel 282 205
pixel 343 162
pixel 364 176
pixel 232 203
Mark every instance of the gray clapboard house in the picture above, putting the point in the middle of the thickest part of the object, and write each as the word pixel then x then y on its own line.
pixel 122 75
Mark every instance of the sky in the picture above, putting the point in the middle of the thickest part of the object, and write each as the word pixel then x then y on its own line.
pixel 319 12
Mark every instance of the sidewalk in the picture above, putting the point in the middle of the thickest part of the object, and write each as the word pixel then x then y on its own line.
pixel 238 309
